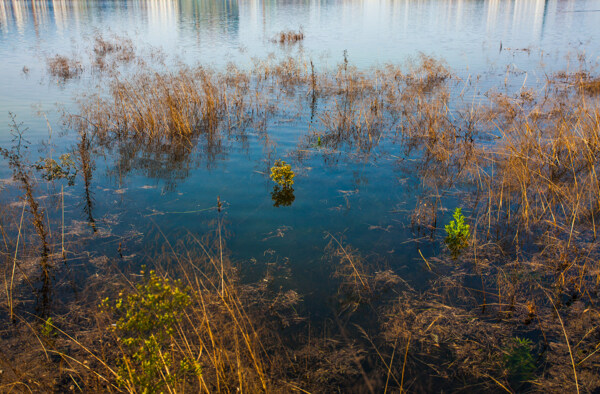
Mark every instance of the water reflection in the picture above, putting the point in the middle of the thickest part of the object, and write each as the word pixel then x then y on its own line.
pixel 3 18
pixel 170 164
pixel 219 17
pixel 87 167
pixel 282 196
pixel 371 31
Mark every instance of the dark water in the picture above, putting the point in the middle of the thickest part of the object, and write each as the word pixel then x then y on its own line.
pixel 363 199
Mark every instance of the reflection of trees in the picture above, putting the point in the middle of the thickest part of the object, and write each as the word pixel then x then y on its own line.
pixel 282 196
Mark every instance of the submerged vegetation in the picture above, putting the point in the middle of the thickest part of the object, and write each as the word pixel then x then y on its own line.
pixel 519 361
pixel 513 306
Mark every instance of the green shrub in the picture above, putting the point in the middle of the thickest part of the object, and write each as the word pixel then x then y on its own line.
pixel 457 233
pixel 146 330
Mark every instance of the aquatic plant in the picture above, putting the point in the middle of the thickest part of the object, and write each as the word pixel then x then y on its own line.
pixel 158 110
pixel 519 361
pixel 289 37
pixel 457 233
pixel 22 174
pixel 87 166
pixel 147 320
pixel 121 49
pixel 63 169
pixel 535 187
pixel 282 174
pixel 48 330
pixel 64 67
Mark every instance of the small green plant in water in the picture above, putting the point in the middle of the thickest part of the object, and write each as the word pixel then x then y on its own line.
pixel 282 174
pixel 518 361
pixel 146 329
pixel 48 328
pixel 457 233
pixel 52 170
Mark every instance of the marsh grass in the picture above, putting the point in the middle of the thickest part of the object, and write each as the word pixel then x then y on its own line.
pixel 158 109
pixel 206 326
pixel 591 86
pixel 106 55
pixel 109 53
pixel 176 107
pixel 289 37
pixel 64 67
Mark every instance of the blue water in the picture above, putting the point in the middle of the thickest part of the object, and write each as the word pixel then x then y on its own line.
pixel 364 201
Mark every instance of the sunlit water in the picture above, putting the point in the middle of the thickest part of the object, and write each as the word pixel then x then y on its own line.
pixel 365 202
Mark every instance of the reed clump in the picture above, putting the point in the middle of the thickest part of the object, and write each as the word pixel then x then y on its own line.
pixel 591 86
pixel 120 48
pixel 583 79
pixel 64 67
pixel 544 176
pixel 168 109
pixel 177 107
pixel 108 54
pixel 289 37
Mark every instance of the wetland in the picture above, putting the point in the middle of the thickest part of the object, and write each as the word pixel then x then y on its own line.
pixel 338 196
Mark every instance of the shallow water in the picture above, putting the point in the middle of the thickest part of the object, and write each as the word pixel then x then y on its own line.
pixel 364 200
pixel 468 35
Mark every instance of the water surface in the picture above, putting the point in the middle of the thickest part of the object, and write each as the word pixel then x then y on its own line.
pixel 365 201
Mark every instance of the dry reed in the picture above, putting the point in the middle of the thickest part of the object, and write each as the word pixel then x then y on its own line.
pixel 289 37
pixel 63 67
